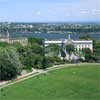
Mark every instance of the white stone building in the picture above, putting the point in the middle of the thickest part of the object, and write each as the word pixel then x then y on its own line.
pixel 78 44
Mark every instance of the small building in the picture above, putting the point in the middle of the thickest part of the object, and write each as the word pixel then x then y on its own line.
pixel 22 41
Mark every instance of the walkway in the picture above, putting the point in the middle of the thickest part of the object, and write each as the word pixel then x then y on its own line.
pixel 36 72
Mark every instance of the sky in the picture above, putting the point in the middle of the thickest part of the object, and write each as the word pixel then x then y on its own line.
pixel 50 10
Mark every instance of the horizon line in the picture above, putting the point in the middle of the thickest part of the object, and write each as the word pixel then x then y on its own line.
pixel 50 22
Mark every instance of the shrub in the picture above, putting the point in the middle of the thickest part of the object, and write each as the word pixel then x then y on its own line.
pixel 10 65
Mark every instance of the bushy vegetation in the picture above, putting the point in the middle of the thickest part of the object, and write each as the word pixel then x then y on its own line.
pixel 14 57
pixel 33 54
pixel 95 55
pixel 52 50
pixel 10 65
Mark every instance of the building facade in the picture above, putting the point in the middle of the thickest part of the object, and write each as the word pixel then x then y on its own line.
pixel 22 41
pixel 78 44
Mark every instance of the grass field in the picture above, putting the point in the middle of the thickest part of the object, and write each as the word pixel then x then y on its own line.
pixel 73 83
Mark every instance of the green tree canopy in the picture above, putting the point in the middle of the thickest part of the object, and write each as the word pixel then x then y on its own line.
pixel 35 40
pixel 69 48
pixel 87 54
pixel 10 65
pixel 53 49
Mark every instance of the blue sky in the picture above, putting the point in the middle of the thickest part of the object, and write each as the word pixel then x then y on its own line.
pixel 50 10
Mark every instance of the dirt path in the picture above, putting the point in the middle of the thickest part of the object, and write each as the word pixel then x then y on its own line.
pixel 38 72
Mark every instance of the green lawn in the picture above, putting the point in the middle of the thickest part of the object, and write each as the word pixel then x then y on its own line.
pixel 74 83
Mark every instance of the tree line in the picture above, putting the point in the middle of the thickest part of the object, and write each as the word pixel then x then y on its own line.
pixel 15 57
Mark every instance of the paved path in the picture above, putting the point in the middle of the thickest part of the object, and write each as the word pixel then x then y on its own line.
pixel 38 72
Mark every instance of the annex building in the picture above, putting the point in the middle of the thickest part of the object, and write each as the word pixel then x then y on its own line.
pixel 22 41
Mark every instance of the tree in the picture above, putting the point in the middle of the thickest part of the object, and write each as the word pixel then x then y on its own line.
pixel 87 54
pixel 3 44
pixel 87 37
pixel 35 40
pixel 44 63
pixel 32 54
pixel 53 50
pixel 63 54
pixel 36 48
pixel 10 65
pixel 69 49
